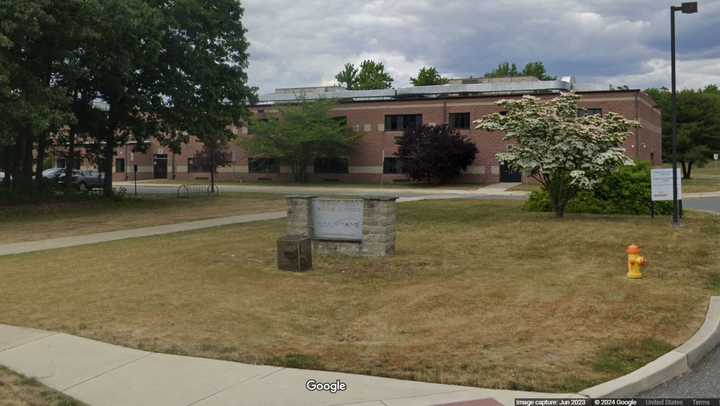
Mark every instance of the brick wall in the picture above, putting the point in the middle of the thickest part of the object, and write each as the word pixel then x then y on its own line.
pixel 368 118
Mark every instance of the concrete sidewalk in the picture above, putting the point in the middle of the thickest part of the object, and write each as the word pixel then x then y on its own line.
pixel 42 245
pixel 500 189
pixel 107 375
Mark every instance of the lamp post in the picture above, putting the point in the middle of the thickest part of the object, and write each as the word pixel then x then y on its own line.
pixel 686 8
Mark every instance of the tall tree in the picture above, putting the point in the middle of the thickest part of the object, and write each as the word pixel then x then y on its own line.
pixel 35 38
pixel 299 134
pixel 427 77
pixel 698 125
pixel 562 150
pixel 536 69
pixel 506 69
pixel 372 75
pixel 203 72
pixel 348 76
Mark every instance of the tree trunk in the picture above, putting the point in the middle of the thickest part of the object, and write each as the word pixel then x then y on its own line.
pixel 560 193
pixel 108 154
pixel 69 162
pixel 23 166
pixel 40 163
pixel 689 170
pixel 212 170
pixel 684 169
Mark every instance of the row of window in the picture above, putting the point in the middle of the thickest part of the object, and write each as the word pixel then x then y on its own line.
pixel 460 121
pixel 269 165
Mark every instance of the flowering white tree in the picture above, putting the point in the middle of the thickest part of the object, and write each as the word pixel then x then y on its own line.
pixel 555 143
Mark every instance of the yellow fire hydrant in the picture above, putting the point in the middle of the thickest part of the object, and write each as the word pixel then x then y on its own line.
pixel 635 262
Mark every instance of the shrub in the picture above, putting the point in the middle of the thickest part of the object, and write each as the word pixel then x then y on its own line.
pixel 625 191
pixel 434 154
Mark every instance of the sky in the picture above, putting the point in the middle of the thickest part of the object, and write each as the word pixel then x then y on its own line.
pixel 295 43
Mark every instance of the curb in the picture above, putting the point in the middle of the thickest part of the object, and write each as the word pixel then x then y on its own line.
pixel 673 364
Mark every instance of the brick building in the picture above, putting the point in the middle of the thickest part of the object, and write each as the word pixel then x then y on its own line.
pixel 380 115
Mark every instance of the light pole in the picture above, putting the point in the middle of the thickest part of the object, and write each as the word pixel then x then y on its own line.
pixel 686 8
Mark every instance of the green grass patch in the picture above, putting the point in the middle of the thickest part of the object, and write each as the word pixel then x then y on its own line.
pixel 624 357
pixel 294 360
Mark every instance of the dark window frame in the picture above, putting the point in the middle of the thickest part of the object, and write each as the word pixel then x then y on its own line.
pixel 119 165
pixel 327 166
pixel 393 166
pixel 401 122
pixel 462 118
pixel 193 167
pixel 263 165
pixel 589 111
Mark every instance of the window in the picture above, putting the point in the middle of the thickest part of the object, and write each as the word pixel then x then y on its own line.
pixel 589 112
pixel 392 166
pixel 120 165
pixel 331 165
pixel 460 121
pixel 400 122
pixel 195 165
pixel 263 165
pixel 342 120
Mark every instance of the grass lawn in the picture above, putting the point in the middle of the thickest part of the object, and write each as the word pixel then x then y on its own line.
pixel 479 293
pixel 705 179
pixel 18 390
pixel 62 219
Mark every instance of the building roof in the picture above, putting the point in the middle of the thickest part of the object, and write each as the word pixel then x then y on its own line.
pixel 484 88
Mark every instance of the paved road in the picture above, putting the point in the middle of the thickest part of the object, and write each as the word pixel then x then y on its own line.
pixel 704 203
pixel 498 190
pixel 701 382
pixel 704 379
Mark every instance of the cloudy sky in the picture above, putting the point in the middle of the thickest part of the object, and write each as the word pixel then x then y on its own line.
pixel 601 42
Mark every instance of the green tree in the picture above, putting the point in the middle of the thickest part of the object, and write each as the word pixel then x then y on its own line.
pixel 348 76
pixel 372 75
pixel 506 69
pixel 35 39
pixel 565 152
pixel 203 65
pixel 434 154
pixel 428 76
pixel 698 125
pixel 536 69
pixel 299 134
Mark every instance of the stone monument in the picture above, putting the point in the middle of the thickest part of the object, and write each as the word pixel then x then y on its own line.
pixel 345 226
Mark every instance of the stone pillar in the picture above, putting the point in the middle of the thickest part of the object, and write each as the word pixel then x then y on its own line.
pixel 379 215
pixel 300 215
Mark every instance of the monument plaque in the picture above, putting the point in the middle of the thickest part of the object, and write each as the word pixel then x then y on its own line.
pixel 337 219
pixel 354 227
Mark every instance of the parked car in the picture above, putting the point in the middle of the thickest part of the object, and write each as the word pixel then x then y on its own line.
pixel 53 174
pixel 86 180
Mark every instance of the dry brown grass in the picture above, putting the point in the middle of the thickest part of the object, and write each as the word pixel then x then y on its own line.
pixel 479 293
pixel 63 219
pixel 17 390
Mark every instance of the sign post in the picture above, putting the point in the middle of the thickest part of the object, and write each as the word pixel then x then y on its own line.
pixel 661 186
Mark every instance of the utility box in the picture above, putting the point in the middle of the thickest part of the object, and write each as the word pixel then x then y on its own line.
pixel 294 253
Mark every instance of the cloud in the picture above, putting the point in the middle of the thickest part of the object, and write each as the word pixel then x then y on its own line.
pixel 306 42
